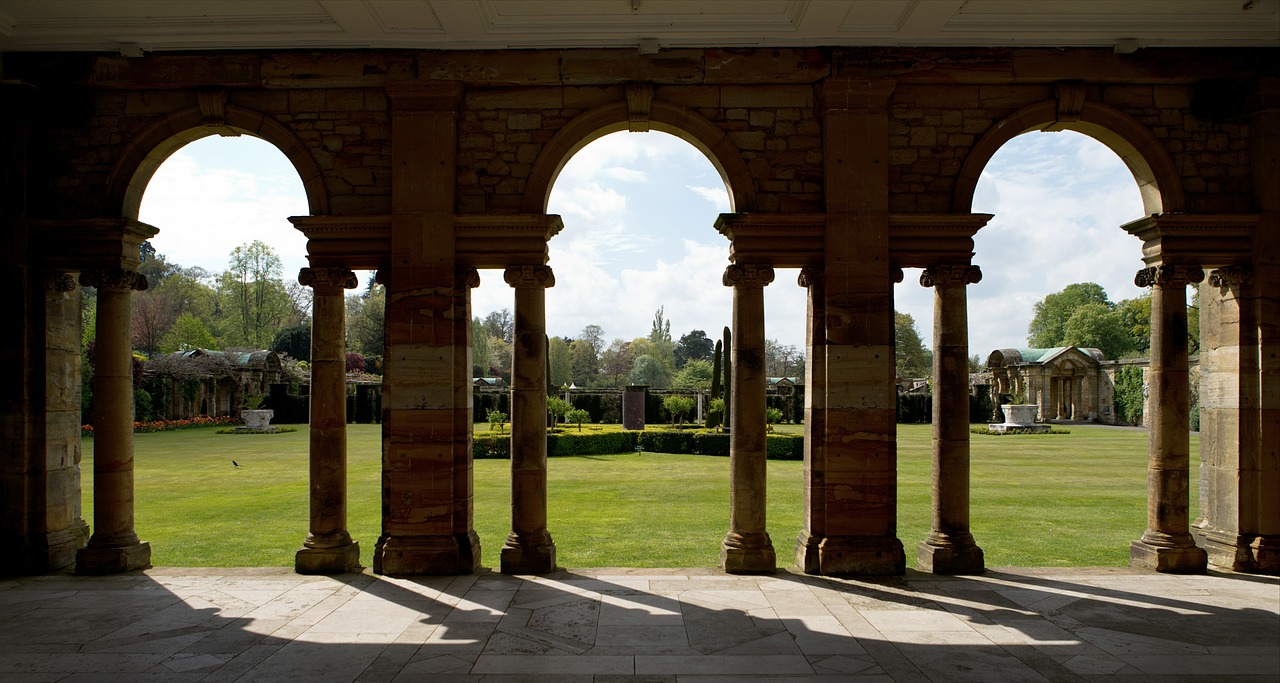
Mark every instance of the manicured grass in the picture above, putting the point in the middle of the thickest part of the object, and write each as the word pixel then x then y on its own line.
pixel 1037 500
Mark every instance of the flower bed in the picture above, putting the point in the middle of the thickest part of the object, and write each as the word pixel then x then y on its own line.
pixel 171 425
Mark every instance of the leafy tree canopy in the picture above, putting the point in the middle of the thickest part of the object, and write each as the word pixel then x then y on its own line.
pixel 1048 327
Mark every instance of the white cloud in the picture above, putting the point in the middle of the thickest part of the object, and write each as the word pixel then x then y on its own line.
pixel 718 196
pixel 627 175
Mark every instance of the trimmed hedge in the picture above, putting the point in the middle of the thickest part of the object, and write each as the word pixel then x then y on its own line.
pixel 569 443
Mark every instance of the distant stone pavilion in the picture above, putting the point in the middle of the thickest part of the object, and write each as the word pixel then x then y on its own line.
pixel 1065 382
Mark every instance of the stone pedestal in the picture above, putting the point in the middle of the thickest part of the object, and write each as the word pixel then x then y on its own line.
pixel 529 548
pixel 1167 546
pixel 114 546
pixel 328 547
pixel 950 548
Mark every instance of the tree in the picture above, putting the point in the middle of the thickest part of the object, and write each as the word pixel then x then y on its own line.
pixel 558 359
pixel 366 321
pixel 1135 315
pixel 911 358
pixel 616 362
pixel 649 371
pixel 583 363
pixel 480 349
pixel 557 407
pixel 677 406
pixel 295 341
pixel 782 360
pixel 696 374
pixel 1094 325
pixel 500 325
pixel 1048 327
pixel 661 330
pixel 253 295
pixel 594 335
pixel 187 333
pixel 694 345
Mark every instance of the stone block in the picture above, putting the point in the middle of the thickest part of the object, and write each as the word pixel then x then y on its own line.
pixel 767 96
pixel 524 122
pixel 589 67
pixel 489 66
pixel 701 96
pixel 1012 96
pixel 344 100
pixel 144 102
pixel 515 98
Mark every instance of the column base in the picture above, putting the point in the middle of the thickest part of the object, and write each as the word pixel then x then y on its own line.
pixel 748 554
pixel 950 559
pixel 343 559
pixel 427 555
pixel 851 556
pixel 528 558
pixel 113 560
pixel 1170 559
pixel 1248 553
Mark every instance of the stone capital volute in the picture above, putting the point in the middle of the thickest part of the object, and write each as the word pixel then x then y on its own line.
pixel 527 277
pixel 114 278
pixel 332 276
pixel 936 276
pixel 1230 276
pixel 810 276
pixel 1168 276
pixel 58 281
pixel 747 275
pixel 468 276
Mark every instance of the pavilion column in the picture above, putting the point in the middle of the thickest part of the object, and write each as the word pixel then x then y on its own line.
pixel 529 548
pixel 114 546
pixel 328 547
pixel 950 548
pixel 1167 545
pixel 747 548
pixel 464 531
pixel 814 531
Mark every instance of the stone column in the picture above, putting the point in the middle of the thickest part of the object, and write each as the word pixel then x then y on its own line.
pixel 1167 545
pixel 328 547
pixel 950 548
pixel 747 548
pixel 814 531
pixel 114 546
pixel 464 531
pixel 860 430
pixel 529 548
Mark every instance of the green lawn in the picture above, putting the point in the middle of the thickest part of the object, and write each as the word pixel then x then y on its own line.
pixel 1055 500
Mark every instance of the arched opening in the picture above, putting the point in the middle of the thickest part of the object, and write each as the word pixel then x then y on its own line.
pixel 1058 281
pixel 638 299
pixel 223 297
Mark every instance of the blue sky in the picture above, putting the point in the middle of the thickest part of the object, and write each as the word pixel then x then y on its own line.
pixel 638 210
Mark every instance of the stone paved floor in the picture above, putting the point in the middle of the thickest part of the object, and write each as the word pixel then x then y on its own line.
pixel 613 626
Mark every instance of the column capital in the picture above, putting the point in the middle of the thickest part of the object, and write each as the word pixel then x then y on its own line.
pixel 331 276
pixel 1231 276
pixel 527 277
pixel 1168 276
pixel 469 276
pixel 114 278
pixel 934 276
pixel 58 281
pixel 747 275
pixel 896 274
pixel 810 276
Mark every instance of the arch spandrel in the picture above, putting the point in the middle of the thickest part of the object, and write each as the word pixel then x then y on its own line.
pixel 665 117
pixel 150 148
pixel 1158 180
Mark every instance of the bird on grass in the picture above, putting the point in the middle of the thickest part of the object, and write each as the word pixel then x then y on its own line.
pixel 234 463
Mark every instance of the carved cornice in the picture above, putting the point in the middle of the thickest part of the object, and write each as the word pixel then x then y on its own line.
pixel 950 275
pixel 58 281
pixel 1231 276
pixel 469 276
pixel 1168 276
pixel 747 275
pixel 331 276
pixel 528 277
pixel 1070 100
pixel 1203 240
pixel 810 276
pixel 117 279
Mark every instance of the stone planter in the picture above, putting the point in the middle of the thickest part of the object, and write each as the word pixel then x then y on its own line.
pixel 1019 419
pixel 257 419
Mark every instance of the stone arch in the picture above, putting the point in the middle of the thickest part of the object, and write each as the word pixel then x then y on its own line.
pixel 681 122
pixel 150 148
pixel 1151 166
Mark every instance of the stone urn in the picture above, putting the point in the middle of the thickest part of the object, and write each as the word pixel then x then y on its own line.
pixel 257 419
pixel 1020 415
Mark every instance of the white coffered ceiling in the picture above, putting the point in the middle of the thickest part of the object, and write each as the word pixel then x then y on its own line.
pixel 134 26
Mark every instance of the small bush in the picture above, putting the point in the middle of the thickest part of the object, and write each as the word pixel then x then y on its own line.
pixel 784 447
pixel 711 443
pixel 772 416
pixel 491 447
pixel 665 441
